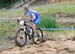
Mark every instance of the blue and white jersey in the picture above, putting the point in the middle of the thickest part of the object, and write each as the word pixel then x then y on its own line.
pixel 35 14
pixel 30 12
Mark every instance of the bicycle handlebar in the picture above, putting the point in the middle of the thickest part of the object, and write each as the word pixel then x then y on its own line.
pixel 25 20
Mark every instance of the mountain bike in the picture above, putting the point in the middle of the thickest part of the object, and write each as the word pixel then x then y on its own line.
pixel 25 32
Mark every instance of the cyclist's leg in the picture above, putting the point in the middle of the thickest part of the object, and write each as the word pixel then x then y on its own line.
pixel 35 22
pixel 34 27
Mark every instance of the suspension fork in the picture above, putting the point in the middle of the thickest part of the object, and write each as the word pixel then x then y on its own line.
pixel 30 37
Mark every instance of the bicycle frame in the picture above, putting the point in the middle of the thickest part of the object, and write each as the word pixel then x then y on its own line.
pixel 24 27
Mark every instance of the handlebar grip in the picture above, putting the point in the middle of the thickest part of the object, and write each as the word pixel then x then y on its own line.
pixel 18 20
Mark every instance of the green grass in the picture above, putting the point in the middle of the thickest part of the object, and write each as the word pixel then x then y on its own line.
pixel 47 22
pixel 46 13
pixel 7 26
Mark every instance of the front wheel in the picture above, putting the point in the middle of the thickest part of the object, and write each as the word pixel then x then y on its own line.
pixel 38 37
pixel 21 38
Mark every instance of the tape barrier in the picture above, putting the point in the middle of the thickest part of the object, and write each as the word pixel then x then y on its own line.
pixel 58 28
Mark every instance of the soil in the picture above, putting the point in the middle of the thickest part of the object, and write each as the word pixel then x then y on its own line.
pixel 54 43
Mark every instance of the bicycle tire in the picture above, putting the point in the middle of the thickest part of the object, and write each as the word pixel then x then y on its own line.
pixel 16 41
pixel 41 40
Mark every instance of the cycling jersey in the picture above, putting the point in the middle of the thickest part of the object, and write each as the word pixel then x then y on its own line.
pixel 37 16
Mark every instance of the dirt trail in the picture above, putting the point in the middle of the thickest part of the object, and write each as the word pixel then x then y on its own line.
pixel 55 44
pixel 48 47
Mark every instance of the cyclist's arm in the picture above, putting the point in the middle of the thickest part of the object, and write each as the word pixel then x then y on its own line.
pixel 22 16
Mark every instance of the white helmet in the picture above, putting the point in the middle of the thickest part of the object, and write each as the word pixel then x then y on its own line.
pixel 26 6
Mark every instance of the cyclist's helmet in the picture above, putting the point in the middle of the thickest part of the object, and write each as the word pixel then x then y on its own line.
pixel 26 6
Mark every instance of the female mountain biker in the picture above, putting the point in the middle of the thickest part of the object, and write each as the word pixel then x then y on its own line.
pixel 34 15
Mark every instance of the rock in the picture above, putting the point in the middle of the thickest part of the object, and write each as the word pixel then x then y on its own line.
pixel 59 48
pixel 43 49
pixel 45 37
pixel 73 38
pixel 48 52
pixel 52 51
pixel 38 53
pixel 63 52
pixel 70 49
pixel 61 38
pixel 31 50
pixel 43 45
pixel 60 14
pixel 50 44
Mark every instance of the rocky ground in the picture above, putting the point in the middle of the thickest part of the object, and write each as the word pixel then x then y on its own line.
pixel 48 47
pixel 52 45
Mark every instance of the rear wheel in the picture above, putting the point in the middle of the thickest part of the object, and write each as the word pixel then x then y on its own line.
pixel 38 37
pixel 21 38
